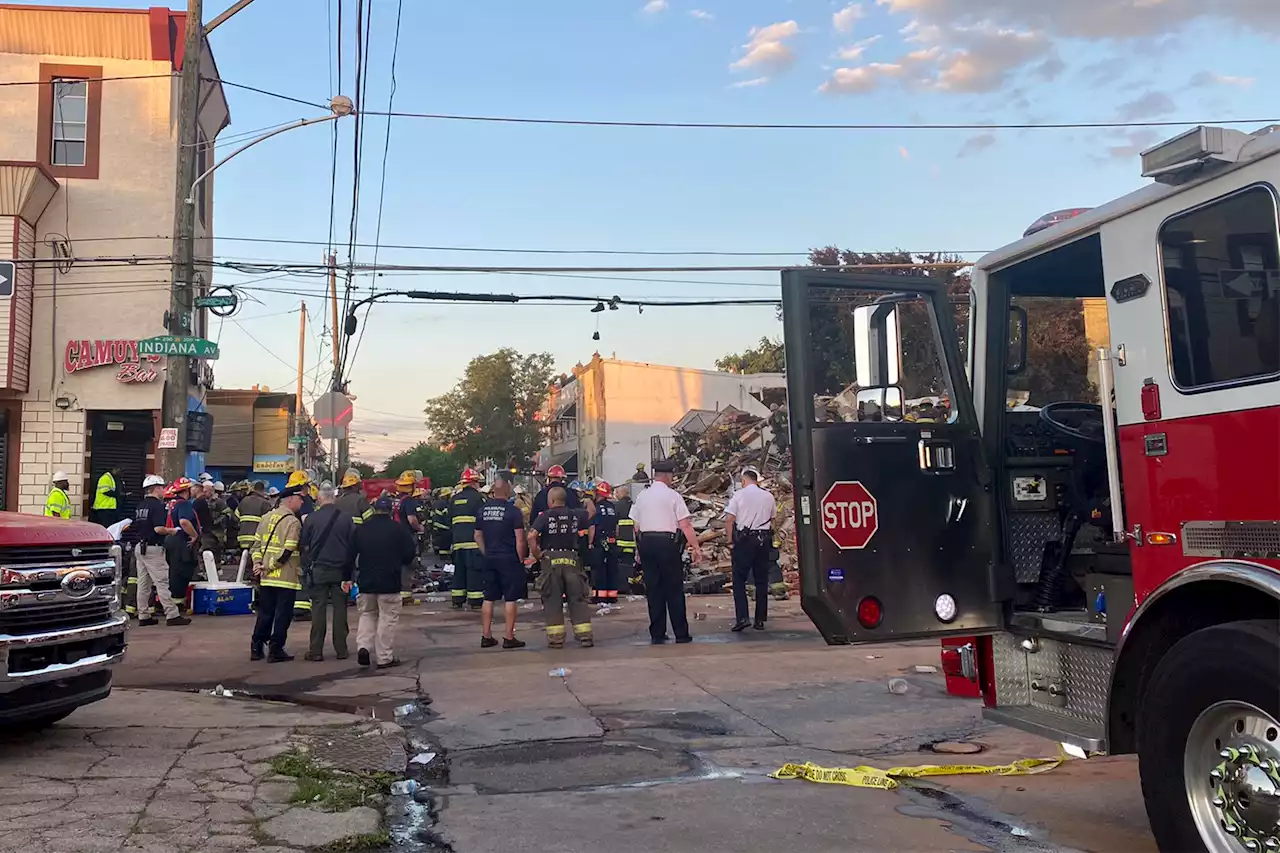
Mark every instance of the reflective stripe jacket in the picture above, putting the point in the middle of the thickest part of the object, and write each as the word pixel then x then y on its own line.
pixel 250 511
pixel 353 502
pixel 102 500
pixel 462 518
pixel 626 535
pixel 58 504
pixel 278 533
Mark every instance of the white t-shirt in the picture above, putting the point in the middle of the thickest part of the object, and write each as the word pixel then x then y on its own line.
pixel 660 509
pixel 753 508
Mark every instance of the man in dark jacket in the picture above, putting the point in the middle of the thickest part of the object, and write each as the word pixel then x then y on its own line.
pixel 383 548
pixel 328 554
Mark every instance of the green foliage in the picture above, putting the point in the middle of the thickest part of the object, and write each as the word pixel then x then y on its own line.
pixel 330 789
pixel 492 411
pixel 767 357
pixel 366 470
pixel 442 466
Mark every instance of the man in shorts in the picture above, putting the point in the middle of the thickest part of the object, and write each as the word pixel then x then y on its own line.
pixel 501 536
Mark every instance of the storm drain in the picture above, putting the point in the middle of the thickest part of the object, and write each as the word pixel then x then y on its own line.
pixel 364 748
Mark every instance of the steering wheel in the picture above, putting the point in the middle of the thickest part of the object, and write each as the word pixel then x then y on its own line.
pixel 1082 421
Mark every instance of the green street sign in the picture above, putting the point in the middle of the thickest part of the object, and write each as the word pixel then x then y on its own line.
pixel 178 346
pixel 227 301
pixel 297 439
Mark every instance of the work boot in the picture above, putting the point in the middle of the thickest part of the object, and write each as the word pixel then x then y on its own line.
pixel 759 625
pixel 555 642
pixel 255 653
pixel 176 621
pixel 458 603
pixel 487 642
pixel 476 606
pixel 740 625
pixel 362 657
pixel 150 620
pixel 586 641
pixel 279 655
pixel 513 643
pixel 313 656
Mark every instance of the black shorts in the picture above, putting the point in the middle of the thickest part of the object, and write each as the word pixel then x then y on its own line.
pixel 505 580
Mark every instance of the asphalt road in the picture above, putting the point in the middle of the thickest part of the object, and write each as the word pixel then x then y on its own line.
pixel 643 748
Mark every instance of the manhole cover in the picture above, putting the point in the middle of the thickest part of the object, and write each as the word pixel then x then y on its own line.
pixel 358 749
pixel 954 747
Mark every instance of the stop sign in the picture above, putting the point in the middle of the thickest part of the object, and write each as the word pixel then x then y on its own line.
pixel 849 515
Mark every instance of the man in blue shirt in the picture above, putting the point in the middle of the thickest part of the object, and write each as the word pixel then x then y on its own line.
pixel 181 540
pixel 501 536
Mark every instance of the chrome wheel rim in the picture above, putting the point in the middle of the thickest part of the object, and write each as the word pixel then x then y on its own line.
pixel 1231 769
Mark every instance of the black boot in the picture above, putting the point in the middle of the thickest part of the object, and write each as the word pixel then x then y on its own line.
pixel 255 652
pixel 279 655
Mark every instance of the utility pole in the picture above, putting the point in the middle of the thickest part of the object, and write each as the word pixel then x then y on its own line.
pixel 337 446
pixel 177 377
pixel 299 430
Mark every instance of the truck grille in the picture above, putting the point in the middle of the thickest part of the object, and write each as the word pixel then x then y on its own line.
pixel 24 621
pixel 37 555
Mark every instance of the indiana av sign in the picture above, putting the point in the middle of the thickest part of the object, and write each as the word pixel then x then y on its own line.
pixel 122 354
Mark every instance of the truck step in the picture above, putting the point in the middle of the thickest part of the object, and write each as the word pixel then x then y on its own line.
pixel 1087 735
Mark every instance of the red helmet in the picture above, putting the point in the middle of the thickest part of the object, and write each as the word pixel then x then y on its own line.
pixel 555 472
pixel 604 490
pixel 470 475
pixel 181 484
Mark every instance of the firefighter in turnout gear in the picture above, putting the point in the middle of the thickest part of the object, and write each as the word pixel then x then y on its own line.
pixel 554 541
pixel 278 567
pixel 441 539
pixel 468 562
pixel 555 477
pixel 352 500
pixel 409 511
pixel 301 482
pixel 625 566
pixel 604 546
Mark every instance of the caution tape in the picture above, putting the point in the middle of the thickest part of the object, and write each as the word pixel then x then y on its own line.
pixel 873 777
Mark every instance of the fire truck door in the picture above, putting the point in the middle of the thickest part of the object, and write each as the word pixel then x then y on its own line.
pixel 895 514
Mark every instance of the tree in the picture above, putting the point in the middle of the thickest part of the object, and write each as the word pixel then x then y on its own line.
pixel 493 411
pixel 442 466
pixel 768 357
pixel 365 469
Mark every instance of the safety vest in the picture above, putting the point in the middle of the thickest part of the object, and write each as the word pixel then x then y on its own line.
pixel 58 504
pixel 462 518
pixel 278 533
pixel 626 535
pixel 250 512
pixel 106 483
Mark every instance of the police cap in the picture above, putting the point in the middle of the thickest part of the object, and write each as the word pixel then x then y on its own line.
pixel 664 466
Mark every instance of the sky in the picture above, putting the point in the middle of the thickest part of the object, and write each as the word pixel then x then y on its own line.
pixel 492 185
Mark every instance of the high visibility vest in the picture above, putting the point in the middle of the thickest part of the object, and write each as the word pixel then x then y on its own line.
pixel 106 483
pixel 626 535
pixel 58 504
pixel 278 533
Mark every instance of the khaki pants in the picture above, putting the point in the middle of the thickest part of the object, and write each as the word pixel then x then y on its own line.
pixel 377 629
pixel 562 579
pixel 153 570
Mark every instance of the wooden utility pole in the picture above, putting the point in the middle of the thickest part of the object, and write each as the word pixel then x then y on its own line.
pixel 177 377
pixel 337 331
pixel 299 429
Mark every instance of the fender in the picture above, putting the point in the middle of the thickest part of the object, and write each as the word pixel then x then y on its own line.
pixel 1241 574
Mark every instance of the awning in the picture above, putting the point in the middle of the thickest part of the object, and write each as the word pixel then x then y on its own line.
pixel 567 461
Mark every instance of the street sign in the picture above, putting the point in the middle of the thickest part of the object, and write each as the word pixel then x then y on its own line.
pixel 227 301
pixel 333 413
pixel 8 275
pixel 849 515
pixel 298 439
pixel 178 346
pixel 168 438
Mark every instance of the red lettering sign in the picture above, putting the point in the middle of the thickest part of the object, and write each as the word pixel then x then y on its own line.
pixel 849 515
pixel 83 354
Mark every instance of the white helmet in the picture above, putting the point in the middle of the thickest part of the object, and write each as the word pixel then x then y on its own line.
pixel 206 477
pixel 59 476
pixel 218 486
pixel 152 480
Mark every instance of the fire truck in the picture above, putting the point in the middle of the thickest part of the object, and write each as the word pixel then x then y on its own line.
pixel 1102 516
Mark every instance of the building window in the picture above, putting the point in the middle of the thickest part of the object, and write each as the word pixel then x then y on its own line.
pixel 1222 288
pixel 70 116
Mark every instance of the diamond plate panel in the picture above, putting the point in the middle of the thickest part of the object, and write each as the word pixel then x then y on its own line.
pixel 1082 673
pixel 1028 534
pixel 1086 673
pixel 1012 682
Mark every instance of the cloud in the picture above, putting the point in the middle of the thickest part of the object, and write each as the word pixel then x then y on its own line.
pixel 1135 143
pixel 859 81
pixel 1105 71
pixel 855 50
pixel 844 20
pixel 701 15
pixel 747 84
pixel 654 7
pixel 767 48
pixel 1150 105
pixel 976 144
pixel 1210 78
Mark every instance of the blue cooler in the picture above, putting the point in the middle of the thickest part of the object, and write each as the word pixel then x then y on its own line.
pixel 224 598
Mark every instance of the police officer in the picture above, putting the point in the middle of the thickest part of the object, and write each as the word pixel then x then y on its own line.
pixel 468 562
pixel 441 540
pixel 58 504
pixel 555 477
pixel 278 567
pixel 658 514
pixel 553 540
pixel 749 520
pixel 106 498
pixel 352 500
pixel 604 545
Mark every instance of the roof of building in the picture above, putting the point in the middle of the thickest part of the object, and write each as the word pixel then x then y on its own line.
pixel 154 34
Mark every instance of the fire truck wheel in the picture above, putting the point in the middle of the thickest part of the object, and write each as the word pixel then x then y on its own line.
pixel 1209 741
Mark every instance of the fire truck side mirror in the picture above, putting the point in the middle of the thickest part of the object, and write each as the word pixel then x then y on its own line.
pixel 880 404
pixel 1018 326
pixel 877 348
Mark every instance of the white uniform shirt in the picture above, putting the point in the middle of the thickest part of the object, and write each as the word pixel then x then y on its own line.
pixel 659 509
pixel 753 507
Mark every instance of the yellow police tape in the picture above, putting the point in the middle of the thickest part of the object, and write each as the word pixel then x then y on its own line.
pixel 872 777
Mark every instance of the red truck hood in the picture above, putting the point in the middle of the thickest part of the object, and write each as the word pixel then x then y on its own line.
pixel 21 529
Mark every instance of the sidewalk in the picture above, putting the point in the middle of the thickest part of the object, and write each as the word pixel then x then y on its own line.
pixel 162 772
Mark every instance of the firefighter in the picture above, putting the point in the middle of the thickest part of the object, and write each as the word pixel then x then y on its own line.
pixel 468 562
pixel 555 477
pixel 440 537
pixel 304 479
pixel 352 500
pixel 182 538
pixel 277 565
pixel 58 504
pixel 251 510
pixel 604 546
pixel 553 540
pixel 584 532
pixel 639 476
pixel 524 504
pixel 301 483
pixel 409 512
pixel 627 568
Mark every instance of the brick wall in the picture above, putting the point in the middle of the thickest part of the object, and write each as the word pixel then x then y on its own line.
pixel 37 466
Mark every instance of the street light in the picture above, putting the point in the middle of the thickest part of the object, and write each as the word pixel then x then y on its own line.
pixel 340 107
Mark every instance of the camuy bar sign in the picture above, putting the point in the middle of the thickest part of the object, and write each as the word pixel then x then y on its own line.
pixel 133 366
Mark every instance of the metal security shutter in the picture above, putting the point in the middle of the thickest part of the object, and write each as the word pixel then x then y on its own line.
pixel 120 440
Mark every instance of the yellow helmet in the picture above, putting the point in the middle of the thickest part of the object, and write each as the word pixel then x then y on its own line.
pixel 298 478
pixel 446 492
pixel 406 479
pixel 351 477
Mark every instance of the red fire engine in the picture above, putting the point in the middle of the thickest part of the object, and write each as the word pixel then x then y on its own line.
pixel 1102 513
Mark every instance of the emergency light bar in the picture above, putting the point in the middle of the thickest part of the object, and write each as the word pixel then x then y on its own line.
pixel 1176 160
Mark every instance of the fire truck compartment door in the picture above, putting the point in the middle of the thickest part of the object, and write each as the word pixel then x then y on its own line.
pixel 895 506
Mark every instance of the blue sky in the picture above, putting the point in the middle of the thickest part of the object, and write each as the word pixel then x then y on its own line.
pixel 466 184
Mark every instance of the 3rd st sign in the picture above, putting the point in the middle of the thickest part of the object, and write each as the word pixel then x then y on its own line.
pixel 849 515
